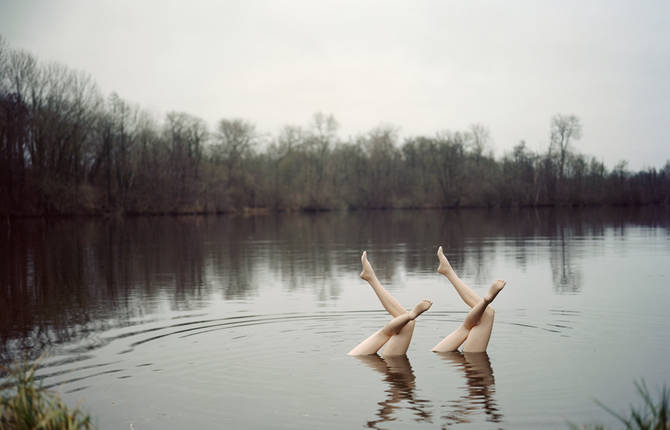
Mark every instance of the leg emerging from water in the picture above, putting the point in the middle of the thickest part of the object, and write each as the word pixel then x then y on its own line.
pixel 479 336
pixel 373 343
pixel 458 336
pixel 467 294
pixel 388 301
pixel 399 343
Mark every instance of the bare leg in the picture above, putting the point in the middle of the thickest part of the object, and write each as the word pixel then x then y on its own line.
pixel 399 343
pixel 388 301
pixel 467 294
pixel 479 336
pixel 373 343
pixel 458 336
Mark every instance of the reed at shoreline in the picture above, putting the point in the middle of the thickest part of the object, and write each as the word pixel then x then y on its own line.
pixel 25 405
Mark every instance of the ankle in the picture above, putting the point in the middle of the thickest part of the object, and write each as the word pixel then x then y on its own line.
pixel 445 270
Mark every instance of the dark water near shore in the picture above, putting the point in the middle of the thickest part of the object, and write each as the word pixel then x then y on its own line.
pixel 234 322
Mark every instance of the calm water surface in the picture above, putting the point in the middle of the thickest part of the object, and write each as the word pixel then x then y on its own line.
pixel 234 322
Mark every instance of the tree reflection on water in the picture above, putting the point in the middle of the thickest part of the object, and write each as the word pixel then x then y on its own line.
pixel 63 278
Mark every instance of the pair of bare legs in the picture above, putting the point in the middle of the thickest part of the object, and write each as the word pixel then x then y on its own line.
pixel 396 334
pixel 474 333
pixel 393 328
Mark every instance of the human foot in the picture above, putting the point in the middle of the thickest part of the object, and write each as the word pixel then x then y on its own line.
pixel 444 268
pixel 368 274
pixel 495 288
pixel 420 308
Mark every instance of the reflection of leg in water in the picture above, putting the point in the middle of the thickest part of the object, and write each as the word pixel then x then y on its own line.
pixel 458 336
pixel 373 343
pixel 478 338
pixel 399 343
pixel 480 385
pixel 400 377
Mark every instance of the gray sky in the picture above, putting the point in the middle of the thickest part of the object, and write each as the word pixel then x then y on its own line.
pixel 423 66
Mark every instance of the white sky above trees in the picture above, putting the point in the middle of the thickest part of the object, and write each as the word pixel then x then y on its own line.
pixel 423 66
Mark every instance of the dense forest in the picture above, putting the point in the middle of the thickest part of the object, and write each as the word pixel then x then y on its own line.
pixel 67 149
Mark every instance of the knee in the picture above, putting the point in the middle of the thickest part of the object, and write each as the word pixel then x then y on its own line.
pixel 489 313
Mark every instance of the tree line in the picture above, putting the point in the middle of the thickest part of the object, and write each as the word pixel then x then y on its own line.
pixel 67 149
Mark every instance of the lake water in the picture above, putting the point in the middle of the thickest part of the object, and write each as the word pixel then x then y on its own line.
pixel 245 322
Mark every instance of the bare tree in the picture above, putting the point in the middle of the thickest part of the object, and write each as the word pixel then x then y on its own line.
pixel 317 146
pixel 4 72
pixel 478 138
pixel 186 136
pixel 283 162
pixel 233 141
pixel 383 160
pixel 234 138
pixel 324 130
pixel 564 129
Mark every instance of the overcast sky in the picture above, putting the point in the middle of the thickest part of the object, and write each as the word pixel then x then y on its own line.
pixel 422 66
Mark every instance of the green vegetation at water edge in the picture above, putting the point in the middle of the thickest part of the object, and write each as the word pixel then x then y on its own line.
pixel 651 415
pixel 25 405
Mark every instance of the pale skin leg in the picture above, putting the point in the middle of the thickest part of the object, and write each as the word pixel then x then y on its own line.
pixel 399 343
pixel 373 343
pixel 479 336
pixel 458 336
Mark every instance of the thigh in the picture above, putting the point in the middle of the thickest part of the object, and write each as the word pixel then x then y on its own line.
pixel 479 336
pixel 399 343
pixel 370 345
pixel 452 341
